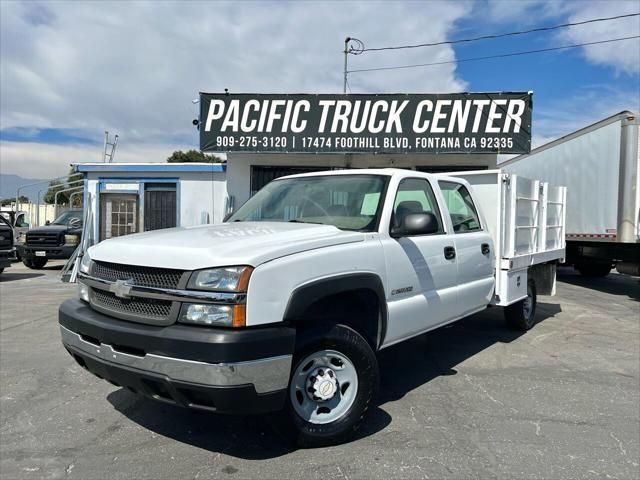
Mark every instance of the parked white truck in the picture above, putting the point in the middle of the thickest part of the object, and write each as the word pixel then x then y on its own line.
pixel 285 305
pixel 600 166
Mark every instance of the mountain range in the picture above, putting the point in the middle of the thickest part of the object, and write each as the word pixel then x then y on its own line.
pixel 10 183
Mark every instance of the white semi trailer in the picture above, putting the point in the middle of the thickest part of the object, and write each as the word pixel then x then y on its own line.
pixel 600 167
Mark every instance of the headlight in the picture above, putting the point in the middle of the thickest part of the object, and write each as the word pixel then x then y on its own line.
pixel 85 267
pixel 213 315
pixel 71 239
pixel 225 279
pixel 83 292
pixel 85 264
pixel 20 239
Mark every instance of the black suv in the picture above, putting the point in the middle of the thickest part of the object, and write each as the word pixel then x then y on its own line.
pixel 56 240
pixel 7 252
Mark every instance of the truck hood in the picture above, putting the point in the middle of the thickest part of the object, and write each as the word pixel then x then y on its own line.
pixel 241 243
pixel 50 229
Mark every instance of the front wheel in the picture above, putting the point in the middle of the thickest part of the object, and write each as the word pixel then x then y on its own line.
pixel 334 380
pixel 521 315
pixel 34 263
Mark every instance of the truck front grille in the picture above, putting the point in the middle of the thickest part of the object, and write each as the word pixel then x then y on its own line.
pixel 143 276
pixel 43 239
pixel 143 307
pixel 6 239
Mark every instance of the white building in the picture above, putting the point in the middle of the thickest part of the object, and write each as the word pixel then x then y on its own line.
pixel 124 198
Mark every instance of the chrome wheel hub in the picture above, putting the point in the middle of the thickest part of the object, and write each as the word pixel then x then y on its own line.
pixel 323 387
pixel 323 384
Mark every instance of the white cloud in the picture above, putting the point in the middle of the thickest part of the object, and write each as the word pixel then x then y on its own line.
pixel 519 12
pixel 39 160
pixel 134 67
pixel 622 56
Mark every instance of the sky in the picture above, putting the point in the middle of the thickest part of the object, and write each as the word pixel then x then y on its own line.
pixel 71 70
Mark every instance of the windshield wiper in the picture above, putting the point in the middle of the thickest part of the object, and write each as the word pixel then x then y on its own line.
pixel 295 220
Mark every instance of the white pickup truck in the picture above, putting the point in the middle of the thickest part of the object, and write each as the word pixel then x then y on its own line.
pixel 284 306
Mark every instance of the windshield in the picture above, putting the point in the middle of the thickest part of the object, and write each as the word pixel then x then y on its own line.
pixel 67 217
pixel 348 202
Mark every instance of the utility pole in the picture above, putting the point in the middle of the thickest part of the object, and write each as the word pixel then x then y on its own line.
pixel 346 52
pixel 352 46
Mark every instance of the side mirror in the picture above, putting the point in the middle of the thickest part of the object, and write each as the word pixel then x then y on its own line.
pixel 48 222
pixel 416 224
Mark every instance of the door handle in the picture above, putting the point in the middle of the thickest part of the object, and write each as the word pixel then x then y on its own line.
pixel 449 253
pixel 485 249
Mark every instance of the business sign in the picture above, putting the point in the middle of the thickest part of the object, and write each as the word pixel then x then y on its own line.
pixel 366 123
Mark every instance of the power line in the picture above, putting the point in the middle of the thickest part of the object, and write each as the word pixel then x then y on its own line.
pixel 503 55
pixel 500 35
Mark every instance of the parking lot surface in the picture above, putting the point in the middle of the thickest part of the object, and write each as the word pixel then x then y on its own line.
pixel 471 400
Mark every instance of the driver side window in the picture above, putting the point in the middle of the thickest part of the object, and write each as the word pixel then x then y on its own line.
pixel 414 196
pixel 462 211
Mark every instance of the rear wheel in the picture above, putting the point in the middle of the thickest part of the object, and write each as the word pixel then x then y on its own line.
pixel 521 315
pixel 594 269
pixel 334 380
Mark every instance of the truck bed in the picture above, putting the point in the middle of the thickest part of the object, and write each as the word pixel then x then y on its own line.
pixel 526 219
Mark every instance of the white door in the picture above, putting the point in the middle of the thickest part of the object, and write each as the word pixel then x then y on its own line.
pixel 421 277
pixel 474 249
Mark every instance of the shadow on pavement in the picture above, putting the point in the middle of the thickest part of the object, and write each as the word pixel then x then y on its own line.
pixel 614 283
pixel 437 353
pixel 11 277
pixel 253 437
pixel 247 437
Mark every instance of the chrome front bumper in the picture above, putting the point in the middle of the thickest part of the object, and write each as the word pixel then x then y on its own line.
pixel 266 375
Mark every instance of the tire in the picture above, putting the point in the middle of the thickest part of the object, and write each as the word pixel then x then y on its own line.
pixel 1 269
pixel 335 362
pixel 522 315
pixel 34 263
pixel 594 269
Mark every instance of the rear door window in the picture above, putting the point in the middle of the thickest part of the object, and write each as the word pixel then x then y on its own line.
pixel 463 212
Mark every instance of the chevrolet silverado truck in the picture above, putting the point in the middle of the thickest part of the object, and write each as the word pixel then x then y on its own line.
pixel 53 241
pixel 7 249
pixel 284 306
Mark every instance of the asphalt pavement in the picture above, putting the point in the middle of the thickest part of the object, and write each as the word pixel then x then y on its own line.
pixel 472 400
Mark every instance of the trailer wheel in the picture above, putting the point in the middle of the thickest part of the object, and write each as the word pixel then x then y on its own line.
pixel 334 379
pixel 521 315
pixel 594 269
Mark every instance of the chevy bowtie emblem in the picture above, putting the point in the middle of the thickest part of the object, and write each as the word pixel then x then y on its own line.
pixel 121 288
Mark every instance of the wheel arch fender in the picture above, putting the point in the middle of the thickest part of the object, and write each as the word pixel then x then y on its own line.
pixel 315 291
